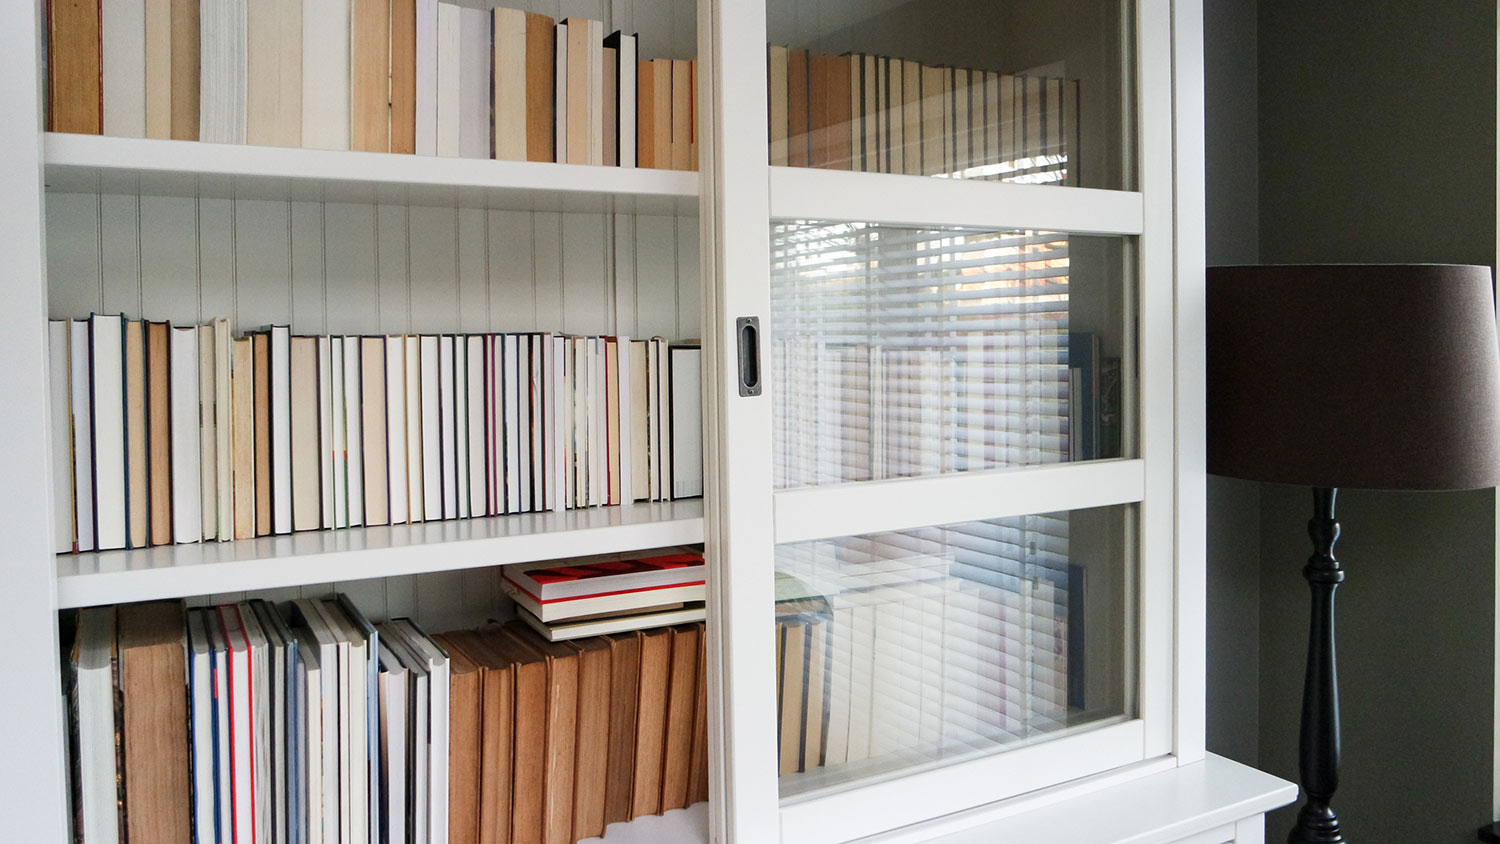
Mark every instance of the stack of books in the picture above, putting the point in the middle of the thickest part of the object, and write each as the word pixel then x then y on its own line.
pixel 248 722
pixel 578 598
pixel 409 76
pixel 887 115
pixel 167 434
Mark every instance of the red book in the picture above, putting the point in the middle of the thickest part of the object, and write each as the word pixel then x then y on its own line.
pixel 548 581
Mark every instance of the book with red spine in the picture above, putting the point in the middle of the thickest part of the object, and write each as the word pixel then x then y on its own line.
pixel 548 581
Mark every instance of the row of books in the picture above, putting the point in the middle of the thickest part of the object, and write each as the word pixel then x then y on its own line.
pixel 887 115
pixel 168 434
pixel 249 722
pixel 410 76
pixel 593 596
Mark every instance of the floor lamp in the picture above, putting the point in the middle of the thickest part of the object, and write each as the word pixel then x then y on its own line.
pixel 1356 376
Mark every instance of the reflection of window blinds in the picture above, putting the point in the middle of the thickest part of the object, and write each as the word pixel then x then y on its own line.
pixel 939 642
pixel 900 352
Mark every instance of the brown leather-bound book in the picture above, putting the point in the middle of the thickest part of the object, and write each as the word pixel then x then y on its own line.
pixel 261 343
pixel 817 110
pixel 465 725
pixel 404 76
pixel 797 108
pixel 681 142
pixel 137 442
pixel 590 777
pixel 624 679
pixel 661 112
pixel 369 75
pixel 645 111
pixel 153 643
pixel 541 94
pixel 651 721
pixel 185 71
pixel 528 735
pixel 698 770
pixel 242 392
pixel 307 487
pixel 372 413
pixel 561 749
pixel 75 103
pixel 495 739
pixel 159 429
pixel 681 696
pixel 840 146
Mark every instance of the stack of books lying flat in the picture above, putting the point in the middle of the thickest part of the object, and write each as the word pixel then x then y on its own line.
pixel 577 598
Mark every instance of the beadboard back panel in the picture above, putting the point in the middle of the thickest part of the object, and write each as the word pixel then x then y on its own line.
pixel 374 269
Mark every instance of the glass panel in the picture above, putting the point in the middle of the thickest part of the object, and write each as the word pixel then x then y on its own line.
pixel 1031 91
pixel 903 352
pixel 899 652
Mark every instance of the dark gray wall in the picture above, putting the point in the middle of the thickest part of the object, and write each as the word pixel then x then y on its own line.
pixel 1377 143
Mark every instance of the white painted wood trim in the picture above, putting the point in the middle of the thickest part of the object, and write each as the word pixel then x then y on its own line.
pixel 873 506
pixel 802 193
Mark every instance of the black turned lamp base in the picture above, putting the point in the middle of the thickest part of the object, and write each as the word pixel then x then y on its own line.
pixel 1319 748
pixel 1316 824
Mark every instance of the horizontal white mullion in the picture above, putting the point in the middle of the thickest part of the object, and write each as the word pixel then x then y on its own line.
pixel 805 193
pixel 881 806
pixel 905 503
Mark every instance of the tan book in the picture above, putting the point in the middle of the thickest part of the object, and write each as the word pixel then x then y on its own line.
pixel 651 721
pixel 611 124
pixel 307 491
pixel 840 148
pixel 137 443
pixel 369 76
pixel 817 110
pixel 465 725
pixel 529 698
pixel 186 44
pixel 273 73
pixel 645 114
pixel 541 72
pixel 208 452
pixel 812 739
pixel 261 343
pixel 661 112
pixel 934 150
pixel 793 665
pixel 911 118
pixel 372 413
pixel 242 387
pixel 776 99
pixel 508 87
pixel 225 419
pixel 640 456
pixel 159 429
pixel 612 402
pixel 693 115
pixel 496 738
pixel 856 112
pixel 594 704
pixel 698 770
pixel 404 76
pixel 624 679
pixel 797 109
pixel 158 69
pixel 154 721
pixel 561 754
pixel 882 111
pixel 581 70
pixel 682 115
pixel 74 100
pixel 869 113
pixel 681 697
pixel 895 114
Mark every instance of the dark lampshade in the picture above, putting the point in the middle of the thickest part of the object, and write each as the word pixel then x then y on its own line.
pixel 1355 376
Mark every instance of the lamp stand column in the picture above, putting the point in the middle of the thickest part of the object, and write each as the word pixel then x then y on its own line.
pixel 1319 749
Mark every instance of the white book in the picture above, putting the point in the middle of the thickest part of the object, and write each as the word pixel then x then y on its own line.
pixel 557 431
pixel 560 103
pixel 653 416
pixel 475 368
pixel 494 399
pixel 122 77
pixel 325 74
pixel 577 420
pixel 687 422
pixel 281 429
pixel 448 101
pixel 417 725
pixel 262 697
pixel 624 410
pixel 325 430
pixel 639 429
pixel 438 741
pixel 460 424
pixel 395 426
pixel 319 647
pixel 61 432
pixel 335 442
pixel 548 426
pixel 427 77
pixel 449 421
pixel 310 819
pixel 187 498
pixel 512 423
pixel 353 449
pixel 108 402
pixel 93 661
pixel 474 84
pixel 523 419
pixel 354 724
pixel 432 429
pixel 509 75
pixel 222 71
pixel 611 106
pixel 393 737
pixel 223 430
pixel 841 638
pixel 663 419
pixel 625 76
pixel 241 737
pixel 208 467
pixel 82 432
pixel 223 796
pixel 414 456
pixel 201 728
pixel 562 631
pixel 538 472
pixel 598 444
pixel 596 92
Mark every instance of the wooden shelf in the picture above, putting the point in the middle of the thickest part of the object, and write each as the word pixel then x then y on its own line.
pixel 171 571
pixel 133 166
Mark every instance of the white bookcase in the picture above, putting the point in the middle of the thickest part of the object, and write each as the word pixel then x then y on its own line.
pixel 342 242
